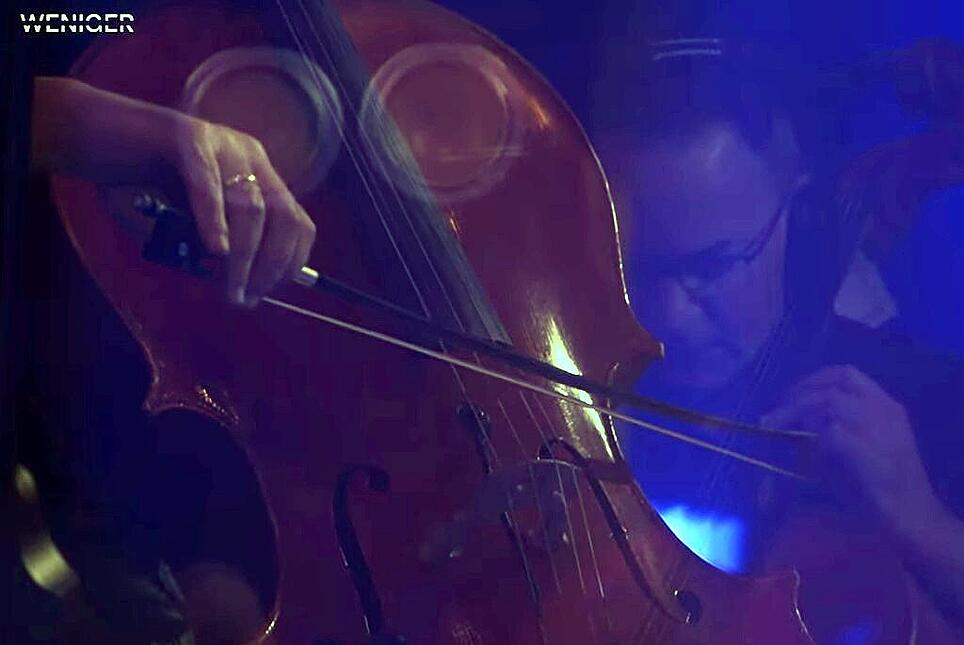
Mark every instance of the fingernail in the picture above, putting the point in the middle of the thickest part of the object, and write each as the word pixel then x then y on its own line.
pixel 239 296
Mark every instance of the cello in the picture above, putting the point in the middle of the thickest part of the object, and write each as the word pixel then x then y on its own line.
pixel 410 499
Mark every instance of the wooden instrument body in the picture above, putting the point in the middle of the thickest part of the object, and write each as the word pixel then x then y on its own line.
pixel 309 403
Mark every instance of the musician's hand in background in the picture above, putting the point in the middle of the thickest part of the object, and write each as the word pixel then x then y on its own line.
pixel 868 433
pixel 243 209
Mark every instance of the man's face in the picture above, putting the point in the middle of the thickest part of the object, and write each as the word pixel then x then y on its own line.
pixel 698 208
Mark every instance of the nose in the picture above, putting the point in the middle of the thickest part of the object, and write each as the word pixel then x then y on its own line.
pixel 675 312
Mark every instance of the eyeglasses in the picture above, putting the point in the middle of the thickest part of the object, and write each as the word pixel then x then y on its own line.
pixel 698 272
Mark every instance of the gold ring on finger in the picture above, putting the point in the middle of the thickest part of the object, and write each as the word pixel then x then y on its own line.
pixel 241 178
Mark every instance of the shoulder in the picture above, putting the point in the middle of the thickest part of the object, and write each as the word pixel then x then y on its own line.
pixel 889 354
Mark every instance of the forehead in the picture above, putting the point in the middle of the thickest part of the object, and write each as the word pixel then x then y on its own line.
pixel 690 193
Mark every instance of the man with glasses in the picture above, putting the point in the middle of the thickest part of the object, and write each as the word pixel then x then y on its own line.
pixel 733 255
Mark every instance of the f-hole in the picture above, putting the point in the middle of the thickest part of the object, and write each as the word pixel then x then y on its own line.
pixel 376 480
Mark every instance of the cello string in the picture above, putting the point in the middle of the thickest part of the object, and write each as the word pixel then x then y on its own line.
pixel 357 159
pixel 719 471
pixel 401 208
pixel 473 367
pixel 762 372
pixel 536 488
pixel 592 551
pixel 562 496
pixel 547 541
pixel 448 299
pixel 589 539
pixel 545 438
pixel 362 133
pixel 360 161
pixel 597 573
pixel 530 468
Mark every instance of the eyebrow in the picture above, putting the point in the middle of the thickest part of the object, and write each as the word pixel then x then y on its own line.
pixel 721 248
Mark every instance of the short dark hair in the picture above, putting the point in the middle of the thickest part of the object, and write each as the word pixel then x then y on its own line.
pixel 681 91
pixel 680 86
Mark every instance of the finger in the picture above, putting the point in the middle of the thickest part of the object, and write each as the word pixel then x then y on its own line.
pixel 809 390
pixel 789 416
pixel 806 418
pixel 202 179
pixel 277 251
pixel 303 248
pixel 285 209
pixel 246 216
pixel 846 377
pixel 832 415
pixel 812 408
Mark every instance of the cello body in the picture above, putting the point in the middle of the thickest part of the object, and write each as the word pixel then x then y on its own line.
pixel 377 466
